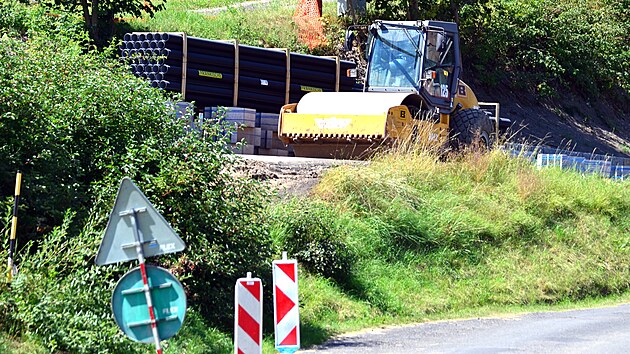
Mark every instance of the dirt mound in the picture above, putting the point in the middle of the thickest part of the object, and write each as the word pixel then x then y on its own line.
pixel 288 176
pixel 566 121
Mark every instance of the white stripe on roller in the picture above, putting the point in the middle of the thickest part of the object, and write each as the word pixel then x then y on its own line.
pixel 287 324
pixel 246 344
pixel 248 302
pixel 284 283
pixel 355 103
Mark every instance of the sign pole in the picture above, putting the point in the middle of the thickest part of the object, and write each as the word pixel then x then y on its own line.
pixel 136 231
pixel 147 292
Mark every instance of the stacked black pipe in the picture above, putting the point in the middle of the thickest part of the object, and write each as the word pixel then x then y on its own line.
pixel 210 79
pixel 158 57
pixel 262 78
pixel 311 73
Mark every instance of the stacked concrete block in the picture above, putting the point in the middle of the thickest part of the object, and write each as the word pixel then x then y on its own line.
pixel 271 144
pixel 237 115
pixel 244 149
pixel 274 152
pixel 266 139
pixel 258 130
pixel 269 121
pixel 276 143
pixel 252 136
pixel 245 130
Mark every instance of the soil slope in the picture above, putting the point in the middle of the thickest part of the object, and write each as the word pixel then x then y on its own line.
pixel 567 121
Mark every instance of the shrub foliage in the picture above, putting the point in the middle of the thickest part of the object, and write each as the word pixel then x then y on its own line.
pixel 309 231
pixel 548 45
pixel 75 122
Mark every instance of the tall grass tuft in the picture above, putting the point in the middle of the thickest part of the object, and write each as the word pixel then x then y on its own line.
pixel 441 235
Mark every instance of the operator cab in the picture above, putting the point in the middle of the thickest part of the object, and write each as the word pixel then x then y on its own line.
pixel 415 56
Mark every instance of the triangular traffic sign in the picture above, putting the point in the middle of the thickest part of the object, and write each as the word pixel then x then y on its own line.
pixel 156 235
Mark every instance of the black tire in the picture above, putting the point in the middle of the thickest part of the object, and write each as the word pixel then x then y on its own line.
pixel 471 128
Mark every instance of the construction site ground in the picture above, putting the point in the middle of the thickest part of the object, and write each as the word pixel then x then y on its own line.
pixel 288 176
pixel 564 120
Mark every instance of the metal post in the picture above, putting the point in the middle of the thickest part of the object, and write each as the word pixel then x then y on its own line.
pixel 145 281
pixel 237 61
pixel 287 94
pixel 184 64
pixel 11 271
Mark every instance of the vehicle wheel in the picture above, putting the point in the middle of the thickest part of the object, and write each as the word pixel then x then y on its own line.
pixel 415 111
pixel 471 128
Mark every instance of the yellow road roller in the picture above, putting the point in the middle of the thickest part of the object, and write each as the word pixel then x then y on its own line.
pixel 412 89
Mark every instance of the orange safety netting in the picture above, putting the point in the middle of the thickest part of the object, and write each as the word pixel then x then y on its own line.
pixel 308 17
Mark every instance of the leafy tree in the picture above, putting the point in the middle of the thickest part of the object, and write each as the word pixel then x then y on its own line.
pixel 99 15
pixel 549 45
pixel 445 10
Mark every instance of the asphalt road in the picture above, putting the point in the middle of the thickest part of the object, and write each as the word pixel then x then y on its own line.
pixel 601 330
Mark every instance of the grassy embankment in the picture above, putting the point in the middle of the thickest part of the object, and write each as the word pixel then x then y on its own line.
pixel 476 236
pixel 269 25
pixel 424 239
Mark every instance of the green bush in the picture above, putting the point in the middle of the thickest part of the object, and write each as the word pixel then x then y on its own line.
pixel 19 20
pixel 308 231
pixel 63 299
pixel 548 45
pixel 13 18
pixel 75 122
pixel 220 217
pixel 67 120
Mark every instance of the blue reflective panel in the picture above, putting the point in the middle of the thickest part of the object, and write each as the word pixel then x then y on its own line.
pixel 131 312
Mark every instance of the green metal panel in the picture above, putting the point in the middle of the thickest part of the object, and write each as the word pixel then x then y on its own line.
pixel 130 308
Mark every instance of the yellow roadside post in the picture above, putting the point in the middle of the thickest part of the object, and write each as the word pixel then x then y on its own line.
pixel 11 269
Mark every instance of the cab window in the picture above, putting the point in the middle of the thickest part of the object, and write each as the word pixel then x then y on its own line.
pixel 438 65
pixel 394 59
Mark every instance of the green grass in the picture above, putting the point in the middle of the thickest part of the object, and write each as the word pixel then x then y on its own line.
pixel 473 236
pixel 196 336
pixel 269 25
pixel 11 345
pixel 187 5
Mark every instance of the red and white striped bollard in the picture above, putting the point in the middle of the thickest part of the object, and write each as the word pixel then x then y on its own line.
pixel 285 305
pixel 248 315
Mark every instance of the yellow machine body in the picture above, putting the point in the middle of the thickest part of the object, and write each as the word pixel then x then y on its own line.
pixel 355 124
